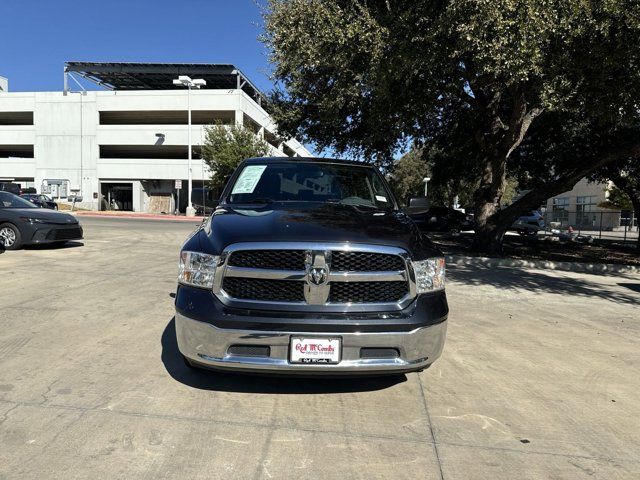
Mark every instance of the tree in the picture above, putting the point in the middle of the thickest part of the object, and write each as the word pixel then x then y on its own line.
pixel 564 148
pixel 407 175
pixel 625 175
pixel 616 200
pixel 366 77
pixel 225 147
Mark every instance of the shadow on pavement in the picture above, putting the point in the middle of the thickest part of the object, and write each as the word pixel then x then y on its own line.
pixel 631 286
pixel 538 281
pixel 244 383
pixel 54 246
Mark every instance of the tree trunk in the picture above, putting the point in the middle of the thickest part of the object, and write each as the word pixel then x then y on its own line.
pixel 488 237
pixel 489 232
pixel 492 222
pixel 497 141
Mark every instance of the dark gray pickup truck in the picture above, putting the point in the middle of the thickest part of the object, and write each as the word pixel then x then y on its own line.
pixel 307 266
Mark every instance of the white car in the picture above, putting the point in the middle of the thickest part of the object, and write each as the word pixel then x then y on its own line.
pixel 529 223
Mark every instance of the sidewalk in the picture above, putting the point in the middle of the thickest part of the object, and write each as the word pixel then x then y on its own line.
pixel 137 215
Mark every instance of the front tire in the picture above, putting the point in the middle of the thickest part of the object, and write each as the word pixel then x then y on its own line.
pixel 10 236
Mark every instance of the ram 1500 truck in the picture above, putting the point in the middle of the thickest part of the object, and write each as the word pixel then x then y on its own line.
pixel 308 266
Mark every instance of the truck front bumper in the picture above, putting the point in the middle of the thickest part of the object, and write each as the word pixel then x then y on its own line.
pixel 206 345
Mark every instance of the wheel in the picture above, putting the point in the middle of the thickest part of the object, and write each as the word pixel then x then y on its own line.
pixel 10 236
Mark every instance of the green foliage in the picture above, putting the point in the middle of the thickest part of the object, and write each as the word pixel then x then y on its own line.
pixel 225 147
pixel 625 174
pixel 617 200
pixel 407 176
pixel 364 77
pixel 510 191
pixel 466 79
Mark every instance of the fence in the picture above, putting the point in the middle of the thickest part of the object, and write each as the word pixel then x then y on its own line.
pixel 604 224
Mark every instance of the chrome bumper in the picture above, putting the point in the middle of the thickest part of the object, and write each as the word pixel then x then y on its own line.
pixel 208 345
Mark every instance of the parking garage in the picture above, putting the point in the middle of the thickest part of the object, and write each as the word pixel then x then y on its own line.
pixel 124 144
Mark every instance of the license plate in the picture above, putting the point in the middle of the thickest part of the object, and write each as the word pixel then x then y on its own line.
pixel 315 350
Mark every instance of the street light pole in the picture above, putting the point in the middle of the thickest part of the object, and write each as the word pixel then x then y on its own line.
pixel 426 182
pixel 190 210
pixel 186 81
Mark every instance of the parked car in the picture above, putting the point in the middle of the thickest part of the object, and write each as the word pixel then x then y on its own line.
pixel 442 219
pixel 22 223
pixel 529 223
pixel 204 200
pixel 308 266
pixel 10 187
pixel 40 200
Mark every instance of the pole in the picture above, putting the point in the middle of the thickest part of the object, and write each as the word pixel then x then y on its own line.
pixel 81 148
pixel 600 236
pixel 204 209
pixel 190 212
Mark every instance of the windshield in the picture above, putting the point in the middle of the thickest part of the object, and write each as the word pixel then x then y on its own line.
pixel 311 182
pixel 9 200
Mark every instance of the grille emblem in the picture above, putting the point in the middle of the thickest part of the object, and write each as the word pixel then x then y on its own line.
pixel 318 264
pixel 318 275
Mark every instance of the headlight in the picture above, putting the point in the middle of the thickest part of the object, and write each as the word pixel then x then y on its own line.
pixel 32 220
pixel 197 269
pixel 430 274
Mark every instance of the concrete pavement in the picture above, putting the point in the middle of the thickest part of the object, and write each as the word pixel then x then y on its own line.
pixel 539 379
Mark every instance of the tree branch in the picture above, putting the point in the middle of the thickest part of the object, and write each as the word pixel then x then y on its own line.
pixel 567 181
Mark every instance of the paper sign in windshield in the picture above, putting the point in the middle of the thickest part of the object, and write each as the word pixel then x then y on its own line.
pixel 248 179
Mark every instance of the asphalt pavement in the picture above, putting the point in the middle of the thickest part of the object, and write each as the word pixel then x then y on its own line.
pixel 539 379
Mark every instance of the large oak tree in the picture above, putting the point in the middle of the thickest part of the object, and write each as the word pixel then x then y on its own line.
pixel 368 77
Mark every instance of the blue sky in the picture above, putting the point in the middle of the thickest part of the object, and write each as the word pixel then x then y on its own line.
pixel 38 36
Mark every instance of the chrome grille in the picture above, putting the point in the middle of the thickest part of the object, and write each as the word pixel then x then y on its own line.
pixel 367 292
pixel 338 277
pixel 269 290
pixel 275 259
pixel 365 262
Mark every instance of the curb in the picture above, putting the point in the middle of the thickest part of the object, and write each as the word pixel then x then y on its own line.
pixel 541 264
pixel 172 218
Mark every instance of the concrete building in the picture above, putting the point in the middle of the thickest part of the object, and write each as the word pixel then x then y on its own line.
pixel 126 145
pixel 579 207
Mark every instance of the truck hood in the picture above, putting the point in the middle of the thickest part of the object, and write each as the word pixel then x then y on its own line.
pixel 310 222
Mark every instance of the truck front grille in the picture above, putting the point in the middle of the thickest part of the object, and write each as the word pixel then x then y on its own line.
pixel 365 262
pixel 273 259
pixel 335 276
pixel 265 290
pixel 367 292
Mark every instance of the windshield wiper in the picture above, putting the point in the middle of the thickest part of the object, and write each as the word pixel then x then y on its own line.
pixel 355 204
